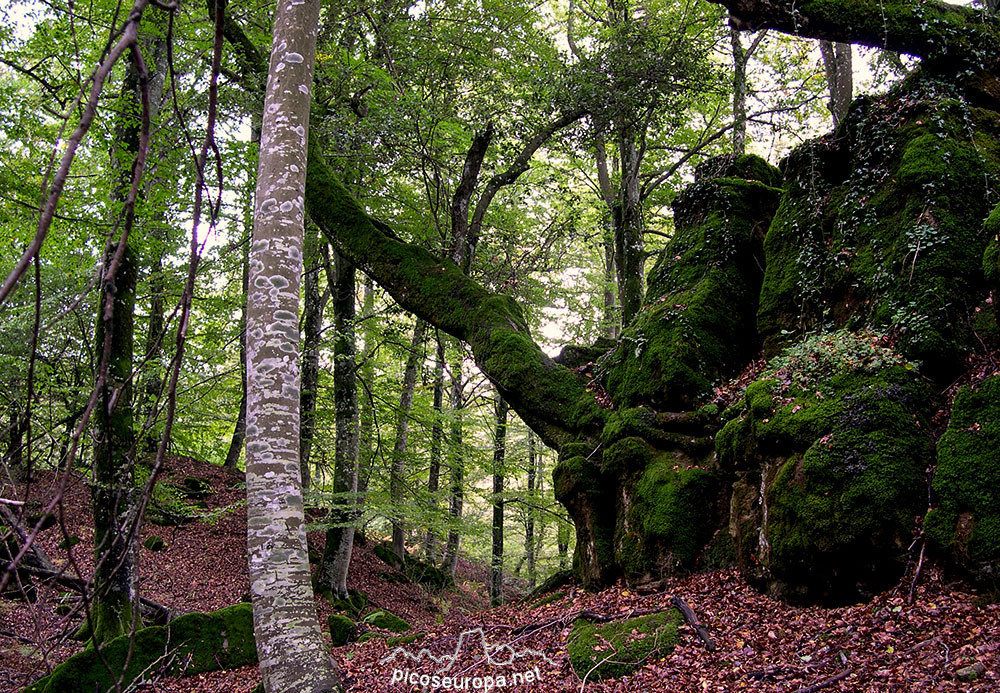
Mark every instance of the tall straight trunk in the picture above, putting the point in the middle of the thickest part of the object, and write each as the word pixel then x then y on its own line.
pixel 499 454
pixel 838 63
pixel 398 469
pixel 114 609
pixel 312 323
pixel 13 458
pixel 529 524
pixel 611 318
pixel 332 573
pixel 456 464
pixel 739 93
pixel 629 250
pixel 292 653
pixel 437 436
pixel 366 408
pixel 240 428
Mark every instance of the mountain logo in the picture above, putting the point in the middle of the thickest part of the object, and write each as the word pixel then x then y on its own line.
pixel 495 655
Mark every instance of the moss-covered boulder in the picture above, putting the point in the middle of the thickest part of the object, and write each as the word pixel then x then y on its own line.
pixel 414 569
pixel 965 522
pixel 191 644
pixel 829 470
pixel 615 649
pixel 342 629
pixel 386 620
pixel 698 325
pixel 881 225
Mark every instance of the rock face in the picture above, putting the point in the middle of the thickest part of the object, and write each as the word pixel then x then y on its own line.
pixel 829 473
pixel 965 523
pixel 865 274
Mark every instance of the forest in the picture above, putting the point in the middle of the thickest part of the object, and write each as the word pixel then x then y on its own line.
pixel 454 344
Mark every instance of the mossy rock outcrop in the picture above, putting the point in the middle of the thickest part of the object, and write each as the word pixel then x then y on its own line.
pixel 965 522
pixel 699 323
pixel 414 569
pixel 191 644
pixel 342 629
pixel 881 225
pixel 386 620
pixel 829 478
pixel 615 649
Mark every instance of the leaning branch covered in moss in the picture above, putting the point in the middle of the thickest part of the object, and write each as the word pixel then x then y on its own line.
pixel 549 397
pixel 954 37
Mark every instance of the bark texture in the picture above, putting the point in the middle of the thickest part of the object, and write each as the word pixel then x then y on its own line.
pixel 499 456
pixel 293 654
pixel 396 482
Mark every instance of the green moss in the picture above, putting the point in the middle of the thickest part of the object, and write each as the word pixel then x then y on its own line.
pixel 403 639
pixel 965 522
pixel 386 620
pixel 342 629
pixel 841 459
pixel 882 227
pixel 154 543
pixel 198 642
pixel 703 289
pixel 674 513
pixel 618 648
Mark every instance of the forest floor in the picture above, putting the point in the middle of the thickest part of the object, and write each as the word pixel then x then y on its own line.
pixel 887 644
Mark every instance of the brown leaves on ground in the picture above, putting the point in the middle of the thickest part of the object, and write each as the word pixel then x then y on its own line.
pixel 762 644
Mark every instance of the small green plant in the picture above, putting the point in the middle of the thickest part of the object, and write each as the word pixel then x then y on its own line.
pixel 821 356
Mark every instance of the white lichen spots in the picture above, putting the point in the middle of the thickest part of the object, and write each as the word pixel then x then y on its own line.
pixel 260 245
pixel 286 206
pixel 279 67
pixel 293 168
pixel 303 89
pixel 268 206
pixel 290 391
pixel 278 281
pixel 285 315
pixel 293 57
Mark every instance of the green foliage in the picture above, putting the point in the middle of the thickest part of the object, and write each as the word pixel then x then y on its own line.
pixel 615 649
pixel 190 644
pixel 965 520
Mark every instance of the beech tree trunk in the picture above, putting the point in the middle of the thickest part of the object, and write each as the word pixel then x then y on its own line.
pixel 456 465
pixel 398 469
pixel 529 523
pixel 838 63
pixel 293 655
pixel 312 323
pixel 332 573
pixel 437 436
pixel 499 454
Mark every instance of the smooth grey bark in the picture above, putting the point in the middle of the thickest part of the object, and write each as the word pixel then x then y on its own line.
pixel 398 468
pixel 499 455
pixel 612 317
pixel 292 653
pixel 630 256
pixel 456 466
pixel 838 65
pixel 437 436
pixel 739 137
pixel 562 543
pixel 332 573
pixel 366 406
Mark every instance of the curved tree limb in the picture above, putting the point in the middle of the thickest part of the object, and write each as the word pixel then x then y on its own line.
pixel 549 397
pixel 953 37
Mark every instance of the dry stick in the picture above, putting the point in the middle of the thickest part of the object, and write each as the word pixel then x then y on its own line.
pixel 694 623
pixel 825 682
pixel 916 573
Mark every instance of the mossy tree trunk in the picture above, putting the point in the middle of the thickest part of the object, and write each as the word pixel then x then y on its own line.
pixel 114 609
pixel 332 573
pixel 499 456
pixel 293 654
pixel 456 466
pixel 529 522
pixel 953 38
pixel 398 469
pixel 437 437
